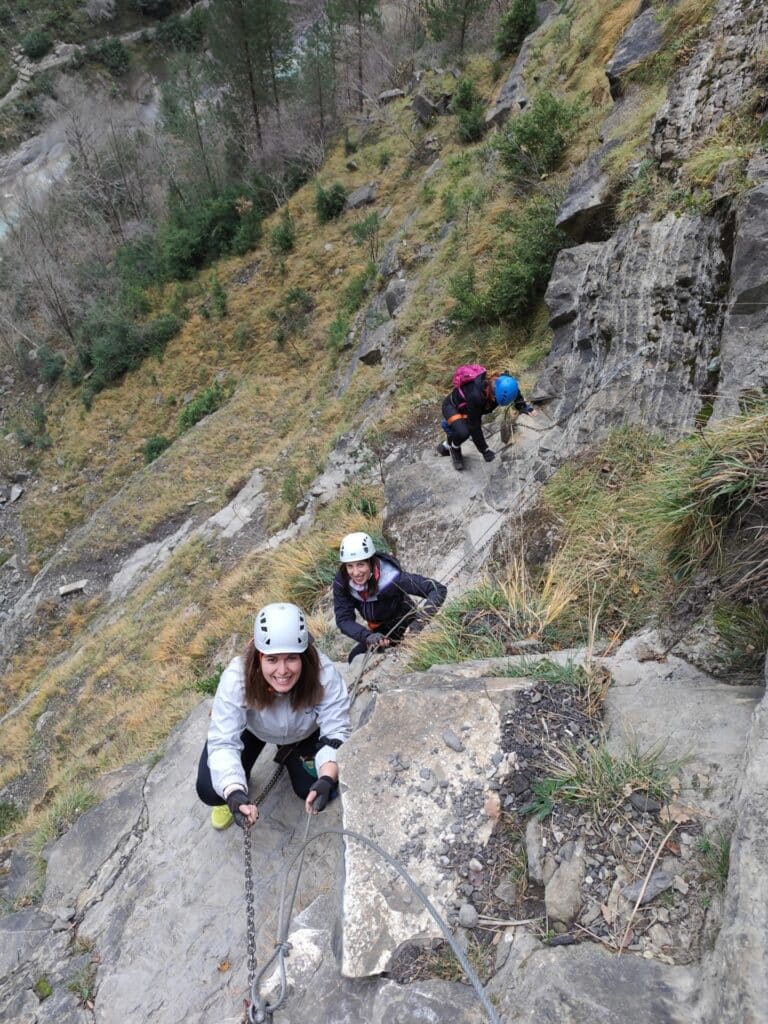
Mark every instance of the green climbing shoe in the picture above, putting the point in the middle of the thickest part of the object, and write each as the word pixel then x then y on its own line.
pixel 221 817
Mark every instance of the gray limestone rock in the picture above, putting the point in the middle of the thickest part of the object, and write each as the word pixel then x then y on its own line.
pixel 388 95
pixel 713 82
pixel 424 109
pixel 534 851
pixel 562 894
pixel 585 984
pixel 641 40
pixel 513 96
pixel 735 984
pixel 744 345
pixel 362 196
pixel 586 213
pixel 635 328
pixel 658 883
pixel 374 344
pixel 394 295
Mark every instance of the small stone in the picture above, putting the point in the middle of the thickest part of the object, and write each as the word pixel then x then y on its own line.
pixel 497 758
pixel 427 785
pixel 425 773
pixel 506 891
pixel 16 493
pixel 658 883
pixel 475 865
pixel 681 885
pixel 643 802
pixel 450 738
pixel 468 916
pixel 72 588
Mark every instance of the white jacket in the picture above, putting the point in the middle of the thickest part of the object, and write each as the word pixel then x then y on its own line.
pixel 279 723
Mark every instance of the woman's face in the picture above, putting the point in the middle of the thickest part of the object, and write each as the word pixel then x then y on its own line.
pixel 359 572
pixel 281 671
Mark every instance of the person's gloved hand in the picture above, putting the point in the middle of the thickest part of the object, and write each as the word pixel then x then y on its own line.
pixel 235 799
pixel 418 624
pixel 374 640
pixel 488 455
pixel 322 788
pixel 529 410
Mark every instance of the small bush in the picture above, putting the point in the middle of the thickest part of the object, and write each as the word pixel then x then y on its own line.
pixel 218 297
pixel 154 447
pixel 112 54
pixel 532 144
pixel 282 237
pixel 9 815
pixel 515 25
pixel 51 364
pixel 470 111
pixel 329 203
pixel 196 235
pixel 356 290
pixel 154 8
pixel 208 401
pixel 112 345
pixel 183 34
pixel 338 332
pixel 292 314
pixel 519 273
pixel 36 44
pixel 366 231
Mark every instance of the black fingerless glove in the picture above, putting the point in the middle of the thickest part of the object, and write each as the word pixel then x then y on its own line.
pixel 235 798
pixel 323 787
pixel 488 455
pixel 373 640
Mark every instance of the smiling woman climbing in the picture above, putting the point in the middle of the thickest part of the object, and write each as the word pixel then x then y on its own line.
pixel 375 586
pixel 283 691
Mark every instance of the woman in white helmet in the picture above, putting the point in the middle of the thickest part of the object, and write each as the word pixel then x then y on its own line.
pixel 283 690
pixel 374 586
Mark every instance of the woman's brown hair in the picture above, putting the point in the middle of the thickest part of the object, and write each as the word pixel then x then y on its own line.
pixel 307 692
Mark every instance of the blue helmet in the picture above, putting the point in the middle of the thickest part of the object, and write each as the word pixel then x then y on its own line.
pixel 506 389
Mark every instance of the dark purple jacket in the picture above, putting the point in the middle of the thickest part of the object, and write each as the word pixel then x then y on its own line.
pixel 390 603
pixel 474 400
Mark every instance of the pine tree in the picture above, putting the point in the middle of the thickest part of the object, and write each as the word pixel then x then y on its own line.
pixel 358 15
pixel 317 73
pixel 251 45
pixel 451 19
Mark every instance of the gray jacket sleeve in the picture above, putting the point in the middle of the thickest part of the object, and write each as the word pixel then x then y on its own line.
pixel 228 721
pixel 333 710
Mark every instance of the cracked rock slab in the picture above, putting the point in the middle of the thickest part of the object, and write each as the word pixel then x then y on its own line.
pixel 386 760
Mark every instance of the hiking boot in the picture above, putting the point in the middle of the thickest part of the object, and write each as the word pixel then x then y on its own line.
pixel 457 459
pixel 221 817
pixel 443 449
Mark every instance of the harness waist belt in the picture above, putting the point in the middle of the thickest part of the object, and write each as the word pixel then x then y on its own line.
pixel 457 416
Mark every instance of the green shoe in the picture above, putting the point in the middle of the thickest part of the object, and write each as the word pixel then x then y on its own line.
pixel 221 817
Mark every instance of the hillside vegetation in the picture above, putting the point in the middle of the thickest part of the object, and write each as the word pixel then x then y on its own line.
pixel 255 375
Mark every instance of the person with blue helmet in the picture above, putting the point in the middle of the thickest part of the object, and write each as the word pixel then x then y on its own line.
pixel 468 402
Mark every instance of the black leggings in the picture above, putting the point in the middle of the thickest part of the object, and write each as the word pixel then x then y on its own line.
pixel 396 630
pixel 301 780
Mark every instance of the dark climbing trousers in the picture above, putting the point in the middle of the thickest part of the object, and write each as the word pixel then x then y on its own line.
pixel 299 760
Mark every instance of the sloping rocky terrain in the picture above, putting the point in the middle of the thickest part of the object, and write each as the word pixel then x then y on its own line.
pixel 613 913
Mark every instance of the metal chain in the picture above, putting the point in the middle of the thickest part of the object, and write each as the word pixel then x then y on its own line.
pixel 250 921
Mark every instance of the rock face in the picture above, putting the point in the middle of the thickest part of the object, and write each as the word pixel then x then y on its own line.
pixel 641 40
pixel 714 82
pixel 434 799
pixel 735 989
pixel 585 215
pixel 744 345
pixel 513 96
pixel 636 328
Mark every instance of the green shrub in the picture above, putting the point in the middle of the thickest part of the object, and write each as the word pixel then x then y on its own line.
pixel 515 25
pixel 356 290
pixel 282 237
pixel 329 203
pixel 112 345
pixel 196 235
pixel 51 364
pixel 248 234
pixel 112 54
pixel 208 401
pixel 218 297
pixel 154 8
pixel 184 34
pixel 36 44
pixel 338 332
pixel 519 273
pixel 9 815
pixel 366 231
pixel 471 124
pixel 154 447
pixel 532 144
pixel 292 314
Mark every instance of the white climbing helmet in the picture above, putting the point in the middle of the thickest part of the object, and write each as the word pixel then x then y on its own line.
pixel 357 547
pixel 280 629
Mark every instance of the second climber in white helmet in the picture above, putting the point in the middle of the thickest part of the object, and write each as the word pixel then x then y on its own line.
pixel 372 585
pixel 282 690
